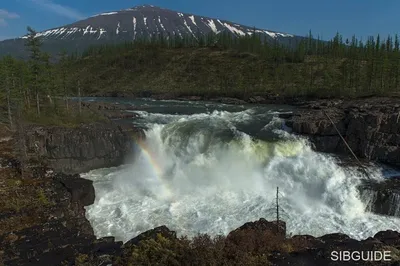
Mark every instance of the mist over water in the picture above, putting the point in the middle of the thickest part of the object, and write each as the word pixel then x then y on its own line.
pixel 215 169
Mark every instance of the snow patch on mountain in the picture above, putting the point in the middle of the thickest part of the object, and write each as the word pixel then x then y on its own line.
pixel 102 31
pixel 212 25
pixel 47 33
pixel 192 19
pixel 187 26
pixel 234 30
pixel 71 31
pixel 162 25
pixel 277 34
pixel 89 29
pixel 106 14
pixel 134 28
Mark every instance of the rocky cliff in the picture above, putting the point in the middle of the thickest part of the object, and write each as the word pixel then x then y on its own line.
pixel 371 127
pixel 80 149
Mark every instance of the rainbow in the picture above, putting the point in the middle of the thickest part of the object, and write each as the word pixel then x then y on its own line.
pixel 157 170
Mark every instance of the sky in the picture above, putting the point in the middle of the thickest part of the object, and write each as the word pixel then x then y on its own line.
pixel 360 17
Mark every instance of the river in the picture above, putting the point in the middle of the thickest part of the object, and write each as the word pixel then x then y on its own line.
pixel 210 168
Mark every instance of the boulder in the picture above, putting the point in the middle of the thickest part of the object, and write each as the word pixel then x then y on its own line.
pixel 151 234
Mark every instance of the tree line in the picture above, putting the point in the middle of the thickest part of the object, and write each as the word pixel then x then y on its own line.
pixel 35 84
pixel 301 66
pixel 340 66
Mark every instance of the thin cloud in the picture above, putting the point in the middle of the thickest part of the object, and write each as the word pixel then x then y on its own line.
pixel 5 15
pixel 61 10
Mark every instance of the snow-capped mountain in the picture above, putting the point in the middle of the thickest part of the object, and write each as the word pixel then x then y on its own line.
pixel 133 23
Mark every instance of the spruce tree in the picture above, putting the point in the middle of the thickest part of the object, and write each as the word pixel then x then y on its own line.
pixel 33 44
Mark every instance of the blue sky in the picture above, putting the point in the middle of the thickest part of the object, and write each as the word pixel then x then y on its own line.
pixel 323 17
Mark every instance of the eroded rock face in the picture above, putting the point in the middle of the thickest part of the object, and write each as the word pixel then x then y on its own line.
pixel 370 127
pixel 81 149
pixel 382 197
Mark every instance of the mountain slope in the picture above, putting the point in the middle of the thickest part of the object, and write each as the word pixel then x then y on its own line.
pixel 131 24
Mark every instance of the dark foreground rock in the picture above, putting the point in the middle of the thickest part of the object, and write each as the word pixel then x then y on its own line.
pixel 255 243
pixel 55 244
pixel 50 224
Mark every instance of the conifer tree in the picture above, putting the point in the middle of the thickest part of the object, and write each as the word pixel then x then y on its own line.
pixel 63 77
pixel 34 43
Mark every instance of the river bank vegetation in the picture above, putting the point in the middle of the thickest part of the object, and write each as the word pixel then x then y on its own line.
pixel 211 66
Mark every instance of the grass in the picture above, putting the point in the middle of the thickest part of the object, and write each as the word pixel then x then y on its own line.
pixel 82 260
pixel 394 252
pixel 42 198
pixel 17 195
pixel 60 116
pixel 245 248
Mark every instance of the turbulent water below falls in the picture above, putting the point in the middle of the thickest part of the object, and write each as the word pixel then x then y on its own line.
pixel 208 168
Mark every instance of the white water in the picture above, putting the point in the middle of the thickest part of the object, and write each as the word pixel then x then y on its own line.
pixel 215 178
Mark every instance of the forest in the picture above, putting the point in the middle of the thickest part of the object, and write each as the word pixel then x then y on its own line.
pixel 211 65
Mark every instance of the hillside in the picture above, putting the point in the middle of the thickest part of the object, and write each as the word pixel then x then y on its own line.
pixel 136 23
pixel 215 72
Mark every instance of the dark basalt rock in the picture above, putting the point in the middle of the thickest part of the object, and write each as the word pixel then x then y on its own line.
pixel 151 234
pixel 81 190
pixel 65 231
pixel 382 197
pixel 262 225
pixel 54 244
pixel 334 238
pixel 81 149
pixel 370 126
pixel 389 237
